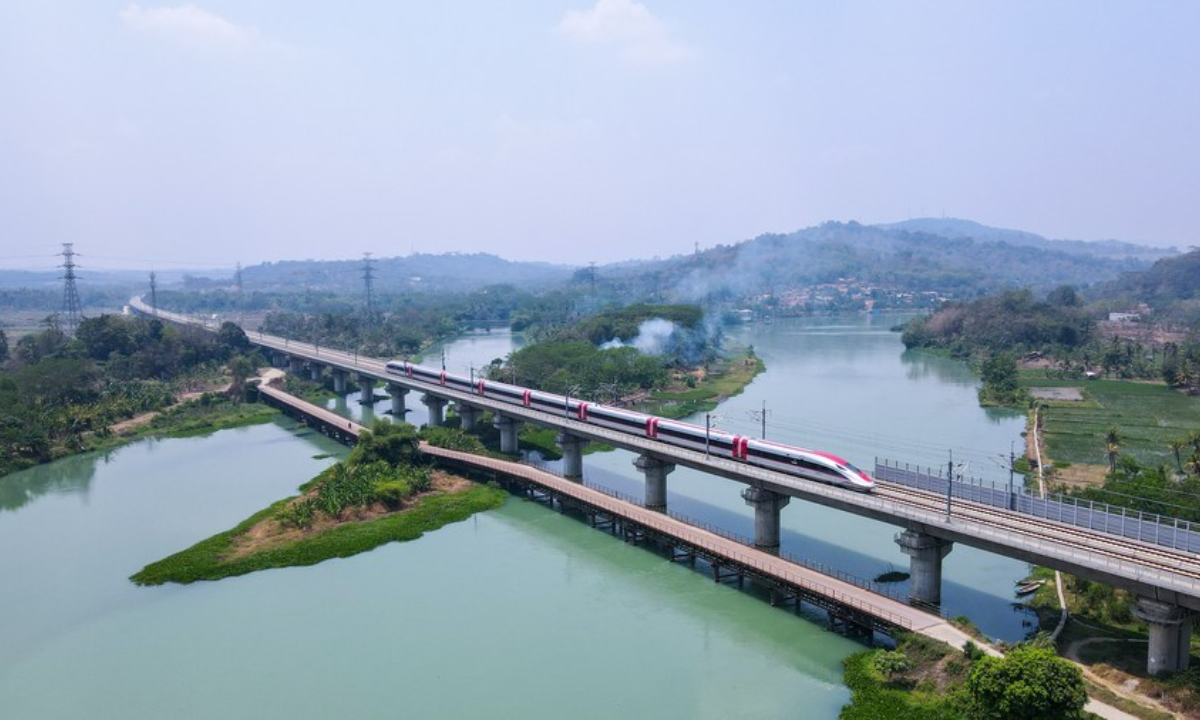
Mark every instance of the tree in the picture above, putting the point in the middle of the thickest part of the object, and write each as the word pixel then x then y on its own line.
pixel 232 339
pixel 240 368
pixel 1176 446
pixel 1063 296
pixel 1029 684
pixel 106 335
pixel 395 443
pixel 1112 447
pixel 999 374
pixel 3 347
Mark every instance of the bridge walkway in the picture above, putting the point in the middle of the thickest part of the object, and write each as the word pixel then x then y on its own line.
pixel 328 422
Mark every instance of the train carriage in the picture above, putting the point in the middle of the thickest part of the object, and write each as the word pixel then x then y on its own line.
pixel 794 461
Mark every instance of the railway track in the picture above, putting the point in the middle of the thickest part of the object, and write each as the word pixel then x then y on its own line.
pixel 1117 548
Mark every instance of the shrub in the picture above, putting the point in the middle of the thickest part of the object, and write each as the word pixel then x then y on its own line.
pixel 299 514
pixel 891 663
pixel 393 492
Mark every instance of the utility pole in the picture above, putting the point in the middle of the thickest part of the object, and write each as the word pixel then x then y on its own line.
pixel 707 430
pixel 949 483
pixel 71 310
pixel 710 421
pixel 1012 468
pixel 760 415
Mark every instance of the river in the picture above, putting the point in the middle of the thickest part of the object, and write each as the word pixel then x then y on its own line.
pixel 518 612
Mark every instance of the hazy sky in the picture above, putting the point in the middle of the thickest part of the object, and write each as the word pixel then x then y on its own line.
pixel 181 135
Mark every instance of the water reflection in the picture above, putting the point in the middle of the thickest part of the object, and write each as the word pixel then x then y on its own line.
pixel 71 475
pixel 921 365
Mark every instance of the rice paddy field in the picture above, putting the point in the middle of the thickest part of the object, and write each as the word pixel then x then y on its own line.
pixel 1149 415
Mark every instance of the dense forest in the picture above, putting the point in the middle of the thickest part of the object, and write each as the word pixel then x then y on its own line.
pixel 1011 321
pixel 1060 330
pixel 57 391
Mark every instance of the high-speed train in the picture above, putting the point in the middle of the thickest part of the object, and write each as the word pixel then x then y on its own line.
pixel 808 464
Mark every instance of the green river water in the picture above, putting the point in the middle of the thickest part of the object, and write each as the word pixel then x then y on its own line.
pixel 516 613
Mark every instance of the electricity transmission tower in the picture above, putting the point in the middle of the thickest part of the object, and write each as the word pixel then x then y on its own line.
pixel 237 279
pixel 153 291
pixel 368 276
pixel 72 312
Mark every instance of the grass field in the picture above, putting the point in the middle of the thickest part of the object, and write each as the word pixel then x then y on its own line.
pixel 1149 415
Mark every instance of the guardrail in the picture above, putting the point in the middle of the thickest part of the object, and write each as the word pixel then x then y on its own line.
pixel 869 585
pixel 1151 528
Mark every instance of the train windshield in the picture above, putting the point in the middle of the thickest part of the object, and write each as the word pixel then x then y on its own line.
pixel 853 469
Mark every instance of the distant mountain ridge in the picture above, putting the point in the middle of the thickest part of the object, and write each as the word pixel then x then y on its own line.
pixel 959 228
pixel 954 257
pixel 945 255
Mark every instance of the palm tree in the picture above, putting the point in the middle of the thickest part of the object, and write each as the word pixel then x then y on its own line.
pixel 1177 445
pixel 1112 447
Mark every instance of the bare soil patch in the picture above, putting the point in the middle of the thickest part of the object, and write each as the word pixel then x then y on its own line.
pixel 1066 394
pixel 1081 475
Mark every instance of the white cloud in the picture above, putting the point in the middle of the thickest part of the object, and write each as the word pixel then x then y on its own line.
pixel 627 26
pixel 190 26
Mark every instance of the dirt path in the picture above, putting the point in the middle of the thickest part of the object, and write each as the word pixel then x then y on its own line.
pixel 1127 689
pixel 268 375
pixel 137 421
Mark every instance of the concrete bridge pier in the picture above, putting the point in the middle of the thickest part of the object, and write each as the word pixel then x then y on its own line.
pixel 767 504
pixel 295 364
pixel 572 450
pixel 278 359
pixel 509 428
pixel 339 381
pixel 1170 635
pixel 925 564
pixel 656 472
pixel 468 416
pixel 397 392
pixel 437 409
pixel 366 390
pixel 315 370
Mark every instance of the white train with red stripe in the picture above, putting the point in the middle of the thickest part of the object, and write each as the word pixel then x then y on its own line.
pixel 808 464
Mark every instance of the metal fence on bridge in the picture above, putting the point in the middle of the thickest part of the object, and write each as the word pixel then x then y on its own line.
pixel 1100 517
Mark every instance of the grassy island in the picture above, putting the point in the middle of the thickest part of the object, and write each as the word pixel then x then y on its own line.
pixel 383 492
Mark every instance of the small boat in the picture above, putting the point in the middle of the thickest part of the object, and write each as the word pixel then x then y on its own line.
pixel 1029 586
